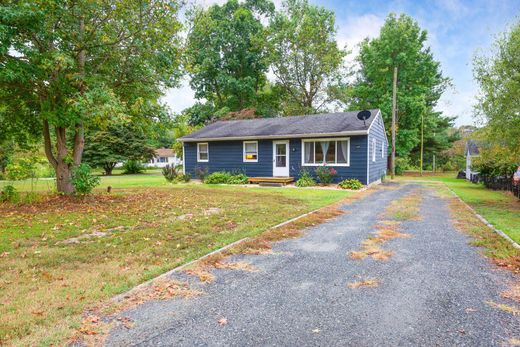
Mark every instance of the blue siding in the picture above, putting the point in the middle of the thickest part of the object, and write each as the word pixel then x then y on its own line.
pixel 228 156
pixel 377 168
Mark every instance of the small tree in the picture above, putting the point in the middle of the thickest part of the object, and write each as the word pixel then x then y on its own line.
pixel 115 144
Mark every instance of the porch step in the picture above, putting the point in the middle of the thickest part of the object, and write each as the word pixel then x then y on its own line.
pixel 281 180
pixel 270 184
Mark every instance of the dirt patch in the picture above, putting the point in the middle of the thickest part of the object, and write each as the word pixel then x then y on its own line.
pixel 405 208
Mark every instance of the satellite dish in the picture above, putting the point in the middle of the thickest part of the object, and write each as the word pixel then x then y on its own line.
pixel 364 115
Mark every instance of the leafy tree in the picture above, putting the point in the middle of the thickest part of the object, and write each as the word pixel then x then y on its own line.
pixel 225 55
pixel 402 44
pixel 305 57
pixel 499 101
pixel 115 144
pixel 70 65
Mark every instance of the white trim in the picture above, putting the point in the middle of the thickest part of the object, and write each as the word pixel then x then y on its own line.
pixel 198 152
pixel 183 160
pixel 274 137
pixel 244 152
pixel 368 160
pixel 287 151
pixel 382 123
pixel 336 154
pixel 374 149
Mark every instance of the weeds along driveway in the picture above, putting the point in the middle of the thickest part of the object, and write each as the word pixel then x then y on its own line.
pixel 432 289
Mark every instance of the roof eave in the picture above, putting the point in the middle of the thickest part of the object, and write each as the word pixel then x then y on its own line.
pixel 273 137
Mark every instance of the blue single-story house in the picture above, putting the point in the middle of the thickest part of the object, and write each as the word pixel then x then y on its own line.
pixel 353 143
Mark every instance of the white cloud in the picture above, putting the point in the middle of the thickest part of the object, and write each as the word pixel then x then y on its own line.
pixel 179 98
pixel 458 104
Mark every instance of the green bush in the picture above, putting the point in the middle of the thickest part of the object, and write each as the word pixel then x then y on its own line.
pixel 170 173
pixel 83 180
pixel 201 173
pixel 131 167
pixel 325 174
pixel 237 179
pixel 401 164
pixel 305 180
pixel 9 194
pixel 224 177
pixel 353 184
pixel 184 177
pixel 219 177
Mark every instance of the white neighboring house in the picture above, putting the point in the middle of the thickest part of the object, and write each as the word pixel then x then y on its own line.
pixel 163 157
pixel 471 152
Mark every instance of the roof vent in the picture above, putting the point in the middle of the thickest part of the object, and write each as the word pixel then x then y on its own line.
pixel 364 115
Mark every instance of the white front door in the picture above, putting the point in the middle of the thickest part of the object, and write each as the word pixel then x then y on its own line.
pixel 281 158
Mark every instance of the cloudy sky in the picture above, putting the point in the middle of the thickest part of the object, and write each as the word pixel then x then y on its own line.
pixel 457 29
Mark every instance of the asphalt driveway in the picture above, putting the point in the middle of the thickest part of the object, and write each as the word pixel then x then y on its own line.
pixel 432 292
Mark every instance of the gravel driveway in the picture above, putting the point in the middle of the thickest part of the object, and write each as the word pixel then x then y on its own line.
pixel 432 292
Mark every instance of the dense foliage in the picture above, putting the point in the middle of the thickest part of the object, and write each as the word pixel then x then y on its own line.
pixel 402 44
pixel 305 180
pixel 498 105
pixel 226 58
pixel 305 57
pixel 224 177
pixel 115 144
pixel 83 180
pixel 352 183
pixel 70 65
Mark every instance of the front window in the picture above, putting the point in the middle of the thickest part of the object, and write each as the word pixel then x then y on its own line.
pixel 325 151
pixel 163 160
pixel 250 151
pixel 202 152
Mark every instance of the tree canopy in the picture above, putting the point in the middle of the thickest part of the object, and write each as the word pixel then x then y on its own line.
pixel 69 65
pixel 402 44
pixel 498 75
pixel 225 55
pixel 304 55
pixel 115 144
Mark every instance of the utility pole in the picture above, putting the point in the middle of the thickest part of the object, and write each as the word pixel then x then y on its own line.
pixel 422 140
pixel 394 111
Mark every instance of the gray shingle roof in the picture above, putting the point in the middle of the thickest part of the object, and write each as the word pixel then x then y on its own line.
pixel 340 123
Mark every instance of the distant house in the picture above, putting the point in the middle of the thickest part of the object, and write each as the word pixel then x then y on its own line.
pixel 284 146
pixel 471 152
pixel 163 157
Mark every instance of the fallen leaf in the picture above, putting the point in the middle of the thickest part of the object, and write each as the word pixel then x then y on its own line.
pixel 222 321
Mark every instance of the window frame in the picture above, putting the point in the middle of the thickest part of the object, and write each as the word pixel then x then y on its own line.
pixel 374 148
pixel 335 139
pixel 244 152
pixel 198 152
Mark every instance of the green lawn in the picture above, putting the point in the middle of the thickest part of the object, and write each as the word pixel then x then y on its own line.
pixel 151 178
pixel 500 208
pixel 148 227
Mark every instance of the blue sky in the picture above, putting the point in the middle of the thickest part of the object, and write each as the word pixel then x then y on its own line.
pixel 457 29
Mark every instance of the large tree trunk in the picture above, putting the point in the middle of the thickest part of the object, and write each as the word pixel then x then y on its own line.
pixel 109 167
pixel 60 160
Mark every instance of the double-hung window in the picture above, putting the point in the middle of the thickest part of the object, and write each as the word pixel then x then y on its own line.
pixel 250 151
pixel 202 152
pixel 326 151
